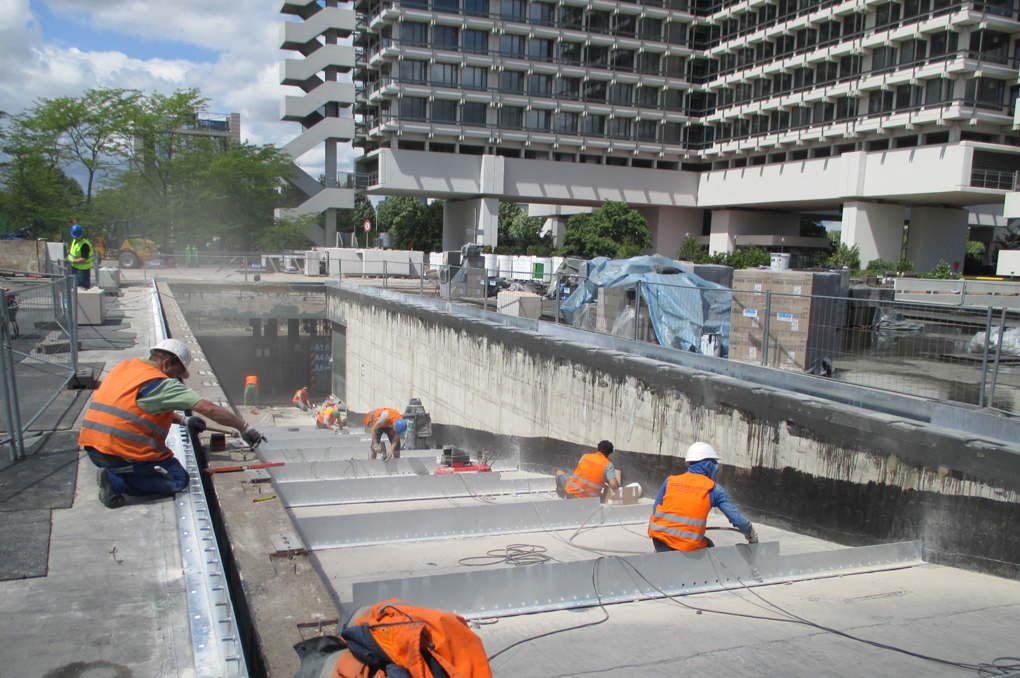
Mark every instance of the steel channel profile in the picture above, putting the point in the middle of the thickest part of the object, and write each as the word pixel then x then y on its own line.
pixel 328 532
pixel 509 591
pixel 402 488
pixel 297 467
pixel 216 642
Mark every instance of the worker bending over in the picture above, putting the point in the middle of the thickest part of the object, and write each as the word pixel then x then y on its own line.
pixel 330 418
pixel 251 391
pixel 680 513
pixel 593 471
pixel 300 399
pixel 389 421
pixel 125 428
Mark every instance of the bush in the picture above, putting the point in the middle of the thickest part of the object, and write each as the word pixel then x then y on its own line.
pixel 845 256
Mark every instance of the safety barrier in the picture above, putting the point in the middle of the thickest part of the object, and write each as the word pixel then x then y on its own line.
pixel 38 349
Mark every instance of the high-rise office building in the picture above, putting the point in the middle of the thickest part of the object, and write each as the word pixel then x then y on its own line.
pixel 725 120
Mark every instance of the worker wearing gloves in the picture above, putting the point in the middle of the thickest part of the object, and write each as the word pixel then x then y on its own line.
pixel 385 420
pixel 81 256
pixel 593 471
pixel 300 399
pixel 125 427
pixel 680 513
pixel 330 418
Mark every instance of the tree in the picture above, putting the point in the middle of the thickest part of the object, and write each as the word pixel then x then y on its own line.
pixel 612 230
pixel 692 250
pixel 521 234
pixel 846 256
pixel 419 228
pixel 391 208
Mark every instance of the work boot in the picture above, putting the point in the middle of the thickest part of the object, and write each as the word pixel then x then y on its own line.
pixel 106 494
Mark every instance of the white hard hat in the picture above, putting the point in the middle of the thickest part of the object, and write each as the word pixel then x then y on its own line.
pixel 177 348
pixel 700 451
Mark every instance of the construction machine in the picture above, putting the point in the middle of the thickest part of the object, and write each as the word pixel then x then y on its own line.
pixel 127 241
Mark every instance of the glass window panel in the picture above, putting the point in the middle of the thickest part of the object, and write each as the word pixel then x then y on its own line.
pixel 473 113
pixel 444 111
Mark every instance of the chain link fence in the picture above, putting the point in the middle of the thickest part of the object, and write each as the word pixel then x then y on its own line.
pixel 38 349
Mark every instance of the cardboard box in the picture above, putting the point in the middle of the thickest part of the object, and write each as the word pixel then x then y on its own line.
pixel 626 495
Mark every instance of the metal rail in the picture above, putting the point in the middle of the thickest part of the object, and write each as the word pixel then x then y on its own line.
pixel 508 591
pixel 326 532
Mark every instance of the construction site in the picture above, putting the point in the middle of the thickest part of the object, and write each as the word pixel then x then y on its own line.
pixel 887 524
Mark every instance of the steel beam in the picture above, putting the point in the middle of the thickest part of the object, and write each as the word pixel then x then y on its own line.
pixel 297 468
pixel 401 488
pixel 509 591
pixel 328 532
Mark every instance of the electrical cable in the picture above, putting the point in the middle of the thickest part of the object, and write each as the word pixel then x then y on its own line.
pixel 514 554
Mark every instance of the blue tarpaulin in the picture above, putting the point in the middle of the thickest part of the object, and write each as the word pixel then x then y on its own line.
pixel 681 306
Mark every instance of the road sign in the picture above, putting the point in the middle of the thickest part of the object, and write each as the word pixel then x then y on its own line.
pixel 368 225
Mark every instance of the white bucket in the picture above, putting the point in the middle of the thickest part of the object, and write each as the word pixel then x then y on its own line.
pixel 506 265
pixel 780 262
pixel 491 265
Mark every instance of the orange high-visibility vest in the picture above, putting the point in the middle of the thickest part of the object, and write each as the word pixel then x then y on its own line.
pixel 589 476
pixel 114 424
pixel 403 632
pixel 372 417
pixel 301 396
pixel 680 520
pixel 328 416
pixel 251 381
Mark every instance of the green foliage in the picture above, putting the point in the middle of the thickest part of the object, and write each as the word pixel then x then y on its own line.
pixel 692 250
pixel 942 271
pixel 810 228
pixel 877 266
pixel 975 249
pixel 845 256
pixel 612 230
pixel 391 208
pixel 1010 240
pixel 419 228
pixel 286 234
pixel 521 234
pixel 748 257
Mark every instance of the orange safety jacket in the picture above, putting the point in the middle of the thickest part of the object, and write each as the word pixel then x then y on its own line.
pixel 251 381
pixel 301 396
pixel 589 476
pixel 328 416
pixel 680 520
pixel 374 415
pixel 412 638
pixel 114 424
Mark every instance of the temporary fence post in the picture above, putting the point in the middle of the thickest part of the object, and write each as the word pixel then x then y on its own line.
pixel 984 359
pixel 765 329
pixel 998 352
pixel 421 279
pixel 385 275
pixel 72 293
pixel 637 307
pixel 8 389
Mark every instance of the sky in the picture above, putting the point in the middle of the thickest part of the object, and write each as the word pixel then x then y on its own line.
pixel 229 50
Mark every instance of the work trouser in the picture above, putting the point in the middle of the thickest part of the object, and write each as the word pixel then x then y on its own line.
pixel 251 395
pixel 141 478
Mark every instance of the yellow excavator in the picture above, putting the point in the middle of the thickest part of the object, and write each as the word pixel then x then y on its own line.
pixel 127 241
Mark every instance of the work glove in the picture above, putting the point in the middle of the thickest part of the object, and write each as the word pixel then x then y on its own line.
pixel 251 435
pixel 377 448
pixel 752 536
pixel 196 424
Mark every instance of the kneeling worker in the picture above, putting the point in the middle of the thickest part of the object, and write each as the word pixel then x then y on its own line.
pixel 330 418
pixel 592 472
pixel 125 427
pixel 300 399
pixel 680 513
pixel 389 421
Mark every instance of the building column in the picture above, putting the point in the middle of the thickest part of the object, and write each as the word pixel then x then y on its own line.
pixel 876 229
pixel 470 221
pixel 670 225
pixel 732 229
pixel 936 233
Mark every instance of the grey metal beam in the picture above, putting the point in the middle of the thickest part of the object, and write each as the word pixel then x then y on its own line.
pixel 509 591
pixel 314 465
pixel 401 488
pixel 328 532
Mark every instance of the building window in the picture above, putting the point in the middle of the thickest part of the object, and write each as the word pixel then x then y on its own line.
pixel 511 45
pixel 887 14
pixel 571 17
pixel 985 91
pixel 412 71
pixel 542 13
pixel 624 24
pixel 476 7
pixel 540 49
pixel 594 125
pixel 908 97
pixel 565 122
pixel 512 9
pixel 883 57
pixel 446 6
pixel 537 120
pixel 596 55
pixel 622 59
pixel 992 46
pixel 594 90
pixel 645 130
pixel 942 44
pixel 412 108
pixel 445 37
pixel 650 29
pixel 596 20
pixel 472 113
pixel 414 33
pixel 476 42
pixel 912 50
pixel 444 75
pixel 540 85
pixel 846 108
pixel 621 94
pixel 473 77
pixel 511 117
pixel 511 82
pixel 880 102
pixel 649 63
pixel 444 111
pixel 938 90
pixel 568 88
pixel 648 97
pixel 570 52
pixel 619 128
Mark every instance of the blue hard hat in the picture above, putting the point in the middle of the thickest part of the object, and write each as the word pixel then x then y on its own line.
pixel 77 231
pixel 400 425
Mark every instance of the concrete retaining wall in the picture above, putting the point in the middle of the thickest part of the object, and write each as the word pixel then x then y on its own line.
pixel 792 460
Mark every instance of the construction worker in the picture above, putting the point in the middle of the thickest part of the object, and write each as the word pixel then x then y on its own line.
pixel 680 513
pixel 330 418
pixel 125 428
pixel 81 256
pixel 251 391
pixel 593 471
pixel 300 399
pixel 389 421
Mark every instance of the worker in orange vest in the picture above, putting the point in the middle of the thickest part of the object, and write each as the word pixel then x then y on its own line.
pixel 389 421
pixel 593 471
pixel 300 399
pixel 680 513
pixel 330 418
pixel 251 391
pixel 125 428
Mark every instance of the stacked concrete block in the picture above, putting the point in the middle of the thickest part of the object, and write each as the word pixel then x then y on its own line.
pixel 109 278
pixel 91 307
pixel 519 304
